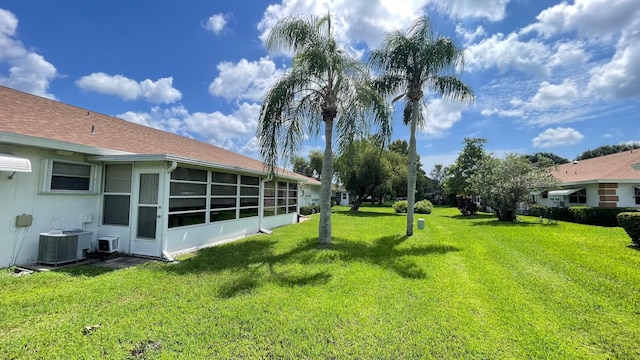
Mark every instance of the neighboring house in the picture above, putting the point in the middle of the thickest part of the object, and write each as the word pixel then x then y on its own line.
pixel 605 181
pixel 310 194
pixel 64 167
pixel 340 195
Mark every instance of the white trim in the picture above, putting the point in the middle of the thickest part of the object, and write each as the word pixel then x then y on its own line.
pixel 9 162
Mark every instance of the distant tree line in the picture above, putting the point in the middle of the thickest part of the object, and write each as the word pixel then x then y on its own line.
pixel 606 150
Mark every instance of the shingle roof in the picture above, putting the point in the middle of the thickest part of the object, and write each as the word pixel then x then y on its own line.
pixel 603 168
pixel 34 116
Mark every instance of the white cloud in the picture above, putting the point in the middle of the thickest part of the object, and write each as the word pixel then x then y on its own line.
pixel 509 53
pixel 549 95
pixel 158 92
pixel 469 36
pixel 619 78
pixel 569 54
pixel 441 115
pixel 353 21
pixel 557 137
pixel 592 19
pixel 492 10
pixel 245 79
pixel 233 131
pixel 215 23
pixel 221 129
pixel 28 71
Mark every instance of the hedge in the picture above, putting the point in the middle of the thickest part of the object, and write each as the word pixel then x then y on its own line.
pixel 630 222
pixel 581 214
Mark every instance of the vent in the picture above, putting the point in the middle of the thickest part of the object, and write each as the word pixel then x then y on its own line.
pixel 108 244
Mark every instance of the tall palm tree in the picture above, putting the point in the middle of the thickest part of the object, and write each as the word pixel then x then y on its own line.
pixel 415 62
pixel 323 85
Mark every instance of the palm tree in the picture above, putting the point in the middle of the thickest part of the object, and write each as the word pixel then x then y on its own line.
pixel 413 63
pixel 323 85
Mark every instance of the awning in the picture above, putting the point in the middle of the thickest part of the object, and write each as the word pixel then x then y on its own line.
pixel 564 192
pixel 13 163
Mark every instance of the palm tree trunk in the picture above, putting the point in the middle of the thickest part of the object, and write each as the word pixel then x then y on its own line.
pixel 412 172
pixel 324 229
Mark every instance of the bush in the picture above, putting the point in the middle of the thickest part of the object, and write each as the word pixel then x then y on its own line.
pixel 552 213
pixel 308 210
pixel 630 222
pixel 466 205
pixel 400 207
pixel 580 214
pixel 597 215
pixel 423 207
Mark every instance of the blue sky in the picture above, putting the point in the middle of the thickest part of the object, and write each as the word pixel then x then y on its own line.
pixel 549 76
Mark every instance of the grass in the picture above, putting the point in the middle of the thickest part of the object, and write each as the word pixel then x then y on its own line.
pixel 460 288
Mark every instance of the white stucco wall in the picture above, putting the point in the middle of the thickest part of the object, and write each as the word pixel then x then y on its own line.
pixel 309 195
pixel 23 195
pixel 627 195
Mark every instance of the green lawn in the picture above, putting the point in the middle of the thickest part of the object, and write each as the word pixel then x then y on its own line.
pixel 461 288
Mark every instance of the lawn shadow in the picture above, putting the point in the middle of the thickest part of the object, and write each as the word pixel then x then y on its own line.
pixel 472 217
pixel 366 214
pixel 633 246
pixel 383 252
pixel 497 222
pixel 254 262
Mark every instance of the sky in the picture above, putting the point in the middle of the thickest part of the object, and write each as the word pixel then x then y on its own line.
pixel 549 76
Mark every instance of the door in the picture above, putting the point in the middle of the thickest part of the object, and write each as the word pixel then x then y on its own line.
pixel 147 216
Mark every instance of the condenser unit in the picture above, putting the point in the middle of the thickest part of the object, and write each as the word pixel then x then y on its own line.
pixel 62 246
pixel 108 244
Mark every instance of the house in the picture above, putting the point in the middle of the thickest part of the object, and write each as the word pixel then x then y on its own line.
pixel 157 193
pixel 340 195
pixel 605 181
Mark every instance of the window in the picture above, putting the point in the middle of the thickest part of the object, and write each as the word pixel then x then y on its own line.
pixel 637 196
pixel 69 176
pixel 280 198
pixel 117 194
pixel 249 196
pixel 187 197
pixel 578 197
pixel 545 194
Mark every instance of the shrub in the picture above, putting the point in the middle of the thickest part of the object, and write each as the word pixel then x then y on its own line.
pixel 423 207
pixel 552 213
pixel 308 210
pixel 580 214
pixel 630 222
pixel 466 205
pixel 400 207
pixel 597 215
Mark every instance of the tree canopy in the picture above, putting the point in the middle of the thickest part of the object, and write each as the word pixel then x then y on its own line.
pixel 556 159
pixel 505 183
pixel 606 150
pixel 310 168
pixel 457 175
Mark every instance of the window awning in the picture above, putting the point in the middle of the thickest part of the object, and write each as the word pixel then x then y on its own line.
pixel 563 192
pixel 13 163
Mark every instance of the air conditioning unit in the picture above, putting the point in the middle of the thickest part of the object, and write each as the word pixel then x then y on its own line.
pixel 62 246
pixel 108 244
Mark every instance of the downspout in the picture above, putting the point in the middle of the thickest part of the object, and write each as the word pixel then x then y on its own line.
pixel 165 253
